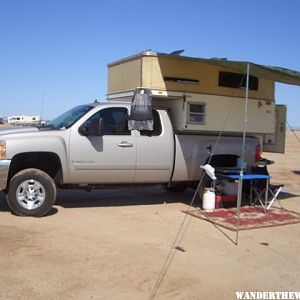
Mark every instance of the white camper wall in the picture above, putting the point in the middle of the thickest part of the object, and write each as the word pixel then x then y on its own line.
pixel 221 113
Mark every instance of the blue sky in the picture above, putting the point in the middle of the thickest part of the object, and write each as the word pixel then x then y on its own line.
pixel 56 52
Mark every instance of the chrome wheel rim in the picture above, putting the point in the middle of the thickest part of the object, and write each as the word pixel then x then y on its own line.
pixel 31 194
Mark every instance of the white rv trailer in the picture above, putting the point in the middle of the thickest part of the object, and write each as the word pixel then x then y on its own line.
pixel 24 120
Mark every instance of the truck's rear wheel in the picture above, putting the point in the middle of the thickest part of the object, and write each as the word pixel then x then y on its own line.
pixel 31 192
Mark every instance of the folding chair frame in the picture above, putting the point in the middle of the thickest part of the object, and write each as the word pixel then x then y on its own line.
pixel 267 204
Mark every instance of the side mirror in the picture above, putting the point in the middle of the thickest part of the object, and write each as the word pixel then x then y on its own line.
pixel 88 129
pixel 84 130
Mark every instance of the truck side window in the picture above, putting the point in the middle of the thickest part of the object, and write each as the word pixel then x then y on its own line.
pixel 114 120
pixel 157 128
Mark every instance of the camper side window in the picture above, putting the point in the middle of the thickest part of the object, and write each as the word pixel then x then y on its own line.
pixel 196 113
pixel 237 80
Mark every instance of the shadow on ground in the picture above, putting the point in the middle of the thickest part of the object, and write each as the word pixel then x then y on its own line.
pixel 3 204
pixel 120 197
pixel 286 195
pixel 112 197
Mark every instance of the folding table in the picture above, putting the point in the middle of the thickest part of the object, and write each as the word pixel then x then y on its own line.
pixel 253 189
pixel 251 177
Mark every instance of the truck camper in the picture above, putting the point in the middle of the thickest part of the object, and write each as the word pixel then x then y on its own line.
pixel 207 96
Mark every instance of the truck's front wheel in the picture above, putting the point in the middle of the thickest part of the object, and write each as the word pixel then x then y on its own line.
pixel 31 192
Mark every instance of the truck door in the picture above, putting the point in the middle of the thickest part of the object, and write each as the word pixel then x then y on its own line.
pixel 155 151
pixel 109 158
pixel 276 142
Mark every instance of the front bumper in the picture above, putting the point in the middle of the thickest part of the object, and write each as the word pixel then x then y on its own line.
pixel 4 169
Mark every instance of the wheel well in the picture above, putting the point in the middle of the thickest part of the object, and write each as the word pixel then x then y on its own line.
pixel 46 161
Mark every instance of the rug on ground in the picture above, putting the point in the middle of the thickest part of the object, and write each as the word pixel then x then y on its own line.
pixel 251 217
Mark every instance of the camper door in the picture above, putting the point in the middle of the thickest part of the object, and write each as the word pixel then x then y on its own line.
pixel 276 142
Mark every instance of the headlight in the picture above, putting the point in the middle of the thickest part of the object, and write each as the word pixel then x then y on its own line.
pixel 2 149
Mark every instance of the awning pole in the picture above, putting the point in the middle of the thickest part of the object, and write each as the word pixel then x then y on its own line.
pixel 240 185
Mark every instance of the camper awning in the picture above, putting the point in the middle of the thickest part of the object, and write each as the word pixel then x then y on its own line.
pixel 277 74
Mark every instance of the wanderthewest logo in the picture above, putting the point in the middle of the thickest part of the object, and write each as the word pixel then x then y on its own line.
pixel 267 295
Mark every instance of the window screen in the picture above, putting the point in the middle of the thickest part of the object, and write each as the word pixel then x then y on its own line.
pixel 181 80
pixel 237 80
pixel 196 113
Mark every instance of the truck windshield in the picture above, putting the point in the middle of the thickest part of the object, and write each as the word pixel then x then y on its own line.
pixel 68 118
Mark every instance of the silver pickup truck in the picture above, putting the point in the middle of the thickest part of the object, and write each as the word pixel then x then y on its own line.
pixel 90 146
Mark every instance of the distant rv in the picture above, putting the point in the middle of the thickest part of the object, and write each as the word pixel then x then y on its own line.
pixel 24 120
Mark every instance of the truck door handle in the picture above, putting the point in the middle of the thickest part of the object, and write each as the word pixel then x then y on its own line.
pixel 125 144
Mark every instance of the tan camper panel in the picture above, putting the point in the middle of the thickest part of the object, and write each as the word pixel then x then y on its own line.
pixel 125 76
pixel 175 73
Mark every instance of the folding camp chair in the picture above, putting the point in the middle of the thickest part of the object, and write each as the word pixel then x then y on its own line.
pixel 274 190
pixel 259 189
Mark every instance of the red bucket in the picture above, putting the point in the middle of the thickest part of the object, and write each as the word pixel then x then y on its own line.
pixel 229 200
pixel 219 202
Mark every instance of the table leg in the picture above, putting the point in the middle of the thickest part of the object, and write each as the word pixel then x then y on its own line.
pixel 267 193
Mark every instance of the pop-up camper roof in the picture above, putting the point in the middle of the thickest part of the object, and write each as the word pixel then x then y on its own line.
pixel 145 67
pixel 276 74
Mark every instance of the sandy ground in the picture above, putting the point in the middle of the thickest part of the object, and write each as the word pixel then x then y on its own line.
pixel 112 244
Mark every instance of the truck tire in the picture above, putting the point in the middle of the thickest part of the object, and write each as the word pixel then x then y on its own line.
pixel 31 192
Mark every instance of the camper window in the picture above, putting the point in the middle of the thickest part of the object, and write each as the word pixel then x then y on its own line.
pixel 181 80
pixel 196 113
pixel 237 80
